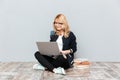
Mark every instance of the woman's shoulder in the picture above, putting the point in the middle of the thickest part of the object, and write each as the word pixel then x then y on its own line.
pixel 52 32
pixel 71 33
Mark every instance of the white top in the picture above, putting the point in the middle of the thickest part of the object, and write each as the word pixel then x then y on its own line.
pixel 60 42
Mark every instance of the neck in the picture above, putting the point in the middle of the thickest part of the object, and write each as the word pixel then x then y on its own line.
pixel 61 32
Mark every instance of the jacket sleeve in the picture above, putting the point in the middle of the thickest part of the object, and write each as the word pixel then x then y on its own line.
pixel 73 44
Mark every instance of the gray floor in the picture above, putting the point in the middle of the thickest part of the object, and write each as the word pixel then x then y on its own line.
pixel 24 71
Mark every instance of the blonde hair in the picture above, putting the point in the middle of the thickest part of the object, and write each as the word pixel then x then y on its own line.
pixel 62 19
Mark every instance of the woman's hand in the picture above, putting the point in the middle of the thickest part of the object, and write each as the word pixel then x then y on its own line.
pixel 65 52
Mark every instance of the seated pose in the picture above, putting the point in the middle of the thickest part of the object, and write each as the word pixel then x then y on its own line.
pixel 67 45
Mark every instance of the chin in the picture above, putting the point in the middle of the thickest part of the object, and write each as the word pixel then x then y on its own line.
pixel 59 29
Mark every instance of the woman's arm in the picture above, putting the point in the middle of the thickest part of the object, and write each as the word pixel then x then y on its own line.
pixel 72 45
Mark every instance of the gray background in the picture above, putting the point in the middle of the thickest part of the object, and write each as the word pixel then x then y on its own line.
pixel 96 24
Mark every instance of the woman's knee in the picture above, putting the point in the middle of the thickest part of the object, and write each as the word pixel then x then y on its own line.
pixel 36 53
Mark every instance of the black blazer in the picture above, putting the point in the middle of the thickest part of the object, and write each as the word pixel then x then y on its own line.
pixel 68 43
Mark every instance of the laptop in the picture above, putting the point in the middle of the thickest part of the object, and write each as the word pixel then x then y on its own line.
pixel 48 48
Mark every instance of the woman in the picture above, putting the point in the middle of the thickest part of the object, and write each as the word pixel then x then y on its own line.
pixel 67 45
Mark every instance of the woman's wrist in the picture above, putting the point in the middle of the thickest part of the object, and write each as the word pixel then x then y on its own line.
pixel 68 51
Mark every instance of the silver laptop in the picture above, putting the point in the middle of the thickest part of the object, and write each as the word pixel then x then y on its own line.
pixel 48 48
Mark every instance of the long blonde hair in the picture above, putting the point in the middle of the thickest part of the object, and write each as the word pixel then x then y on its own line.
pixel 62 19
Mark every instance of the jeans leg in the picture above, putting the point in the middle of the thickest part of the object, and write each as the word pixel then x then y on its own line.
pixel 60 61
pixel 44 61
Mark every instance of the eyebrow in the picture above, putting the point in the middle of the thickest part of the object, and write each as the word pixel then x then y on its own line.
pixel 58 23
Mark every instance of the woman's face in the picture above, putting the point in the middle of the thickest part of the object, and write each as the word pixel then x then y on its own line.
pixel 58 25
